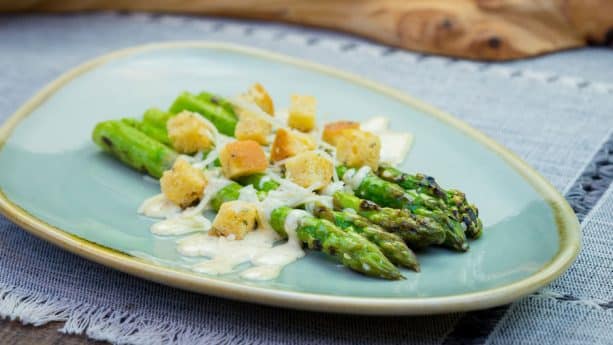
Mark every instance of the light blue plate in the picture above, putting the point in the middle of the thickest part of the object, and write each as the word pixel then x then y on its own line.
pixel 60 186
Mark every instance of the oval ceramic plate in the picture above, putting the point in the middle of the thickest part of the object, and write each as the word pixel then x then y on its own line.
pixel 58 185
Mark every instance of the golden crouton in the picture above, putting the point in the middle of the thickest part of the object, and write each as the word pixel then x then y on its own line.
pixel 258 95
pixel 234 219
pixel 309 169
pixel 356 148
pixel 183 184
pixel 333 129
pixel 288 143
pixel 188 134
pixel 302 113
pixel 252 127
pixel 242 157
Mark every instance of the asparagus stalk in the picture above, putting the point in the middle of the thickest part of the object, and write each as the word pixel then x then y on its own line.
pixel 217 100
pixel 323 237
pixel 417 231
pixel 151 130
pixel 134 148
pixel 391 245
pixel 351 249
pixel 389 194
pixel 455 199
pixel 219 115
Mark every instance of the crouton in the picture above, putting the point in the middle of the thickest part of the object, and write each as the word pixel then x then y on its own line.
pixel 356 148
pixel 234 219
pixel 183 184
pixel 241 158
pixel 309 169
pixel 333 130
pixel 288 143
pixel 252 127
pixel 189 134
pixel 258 95
pixel 302 113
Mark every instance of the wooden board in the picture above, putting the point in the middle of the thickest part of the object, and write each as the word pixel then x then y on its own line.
pixel 14 333
pixel 474 29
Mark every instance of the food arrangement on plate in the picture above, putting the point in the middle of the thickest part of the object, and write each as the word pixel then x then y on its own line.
pixel 280 183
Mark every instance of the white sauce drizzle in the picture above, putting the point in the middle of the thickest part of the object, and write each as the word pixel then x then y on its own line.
pixel 158 206
pixel 394 145
pixel 257 248
pixel 353 178
pixel 375 124
pixel 180 225
pixel 333 188
pixel 248 194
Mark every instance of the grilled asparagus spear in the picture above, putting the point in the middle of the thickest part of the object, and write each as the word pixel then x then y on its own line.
pixel 417 231
pixel 351 249
pixel 219 115
pixel 455 199
pixel 154 132
pixel 391 245
pixel 389 194
pixel 134 148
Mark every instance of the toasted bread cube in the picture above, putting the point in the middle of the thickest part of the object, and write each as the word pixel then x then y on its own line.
pixel 252 127
pixel 258 95
pixel 356 148
pixel 333 130
pixel 288 143
pixel 234 219
pixel 309 169
pixel 188 133
pixel 302 113
pixel 183 184
pixel 241 158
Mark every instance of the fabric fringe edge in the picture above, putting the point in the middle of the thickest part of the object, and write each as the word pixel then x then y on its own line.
pixel 98 323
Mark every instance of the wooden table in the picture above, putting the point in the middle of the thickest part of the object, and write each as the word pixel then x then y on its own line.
pixel 474 29
pixel 14 333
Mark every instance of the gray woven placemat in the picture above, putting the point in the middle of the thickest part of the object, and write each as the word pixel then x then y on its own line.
pixel 556 112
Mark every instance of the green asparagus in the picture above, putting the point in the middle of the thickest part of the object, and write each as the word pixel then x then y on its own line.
pixel 351 249
pixel 388 194
pixel 157 117
pixel 391 245
pixel 217 100
pixel 455 199
pixel 260 182
pixel 154 132
pixel 224 120
pixel 134 148
pixel 417 231
pixel 228 193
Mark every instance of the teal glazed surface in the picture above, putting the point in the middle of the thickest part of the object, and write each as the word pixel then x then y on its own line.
pixel 51 169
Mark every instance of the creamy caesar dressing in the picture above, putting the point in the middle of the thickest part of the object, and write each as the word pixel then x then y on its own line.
pixel 180 225
pixel 158 206
pixel 353 178
pixel 257 248
pixel 179 222
pixel 394 145
pixel 248 194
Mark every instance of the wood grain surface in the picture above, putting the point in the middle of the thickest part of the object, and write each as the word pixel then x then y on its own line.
pixel 14 333
pixel 474 29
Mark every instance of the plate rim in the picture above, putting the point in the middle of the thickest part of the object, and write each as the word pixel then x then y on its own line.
pixel 567 224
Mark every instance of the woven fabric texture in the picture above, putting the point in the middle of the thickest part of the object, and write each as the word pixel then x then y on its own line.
pixel 555 112
pixel 578 307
